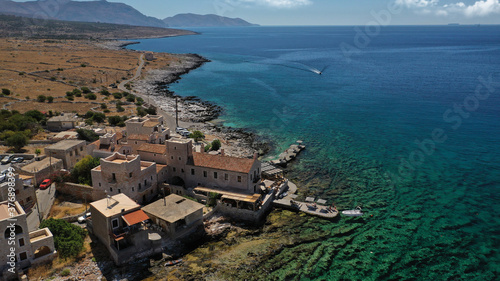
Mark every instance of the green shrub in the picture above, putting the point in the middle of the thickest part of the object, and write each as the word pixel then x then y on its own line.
pixel 6 92
pixel 70 98
pixel 119 108
pixel 65 272
pixel 50 99
pixel 216 144
pixel 131 98
pixel 208 147
pixel 87 135
pixel 117 95
pixel 68 238
pixel 86 90
pixel 105 92
pixel 91 96
pixel 197 136
pixel 41 98
pixel 103 106
pixel 114 120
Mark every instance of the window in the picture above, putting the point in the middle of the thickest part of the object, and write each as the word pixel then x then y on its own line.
pixel 139 186
pixel 114 223
pixel 205 174
pixel 175 147
pixel 239 178
pixel 179 158
pixel 182 170
pixel 81 148
pixel 113 175
pixel 99 184
pixel 71 153
pixel 133 188
pixel 226 176
pixel 151 177
pixel 154 154
pixel 111 189
pixel 129 175
pixel 135 142
pixel 119 190
pixel 192 172
pixel 215 175
pixel 172 157
pixel 21 242
pixel 23 256
pixel 145 182
pixel 251 177
pixel 174 169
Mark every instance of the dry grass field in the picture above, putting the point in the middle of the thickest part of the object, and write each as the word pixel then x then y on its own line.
pixel 33 67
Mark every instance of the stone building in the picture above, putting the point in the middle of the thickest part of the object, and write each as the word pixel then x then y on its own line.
pixel 108 144
pixel 192 169
pixel 176 215
pixel 148 129
pixel 30 248
pixel 119 223
pixel 63 122
pixel 126 174
pixel 24 191
pixel 69 151
pixel 42 169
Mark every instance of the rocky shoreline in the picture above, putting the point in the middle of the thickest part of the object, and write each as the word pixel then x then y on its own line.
pixel 196 113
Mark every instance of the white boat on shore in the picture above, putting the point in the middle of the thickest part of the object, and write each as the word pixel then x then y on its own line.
pixel 353 213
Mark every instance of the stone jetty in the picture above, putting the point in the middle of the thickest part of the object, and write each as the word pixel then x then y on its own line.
pixel 290 154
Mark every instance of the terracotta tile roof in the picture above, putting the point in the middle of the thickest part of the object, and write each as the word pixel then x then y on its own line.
pixel 135 217
pixel 153 148
pixel 219 162
pixel 105 147
pixel 150 124
pixel 138 137
pixel 159 167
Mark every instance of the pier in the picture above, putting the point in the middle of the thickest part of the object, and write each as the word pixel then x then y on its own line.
pixel 311 207
pixel 289 154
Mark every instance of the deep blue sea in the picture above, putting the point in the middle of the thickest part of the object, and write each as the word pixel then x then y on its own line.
pixel 405 123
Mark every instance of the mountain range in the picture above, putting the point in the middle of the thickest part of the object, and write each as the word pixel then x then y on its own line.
pixel 108 12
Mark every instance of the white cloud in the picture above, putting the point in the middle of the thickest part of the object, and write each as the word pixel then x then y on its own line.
pixel 480 8
pixel 417 3
pixel 280 3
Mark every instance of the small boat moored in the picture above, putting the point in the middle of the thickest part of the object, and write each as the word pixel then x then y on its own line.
pixel 353 213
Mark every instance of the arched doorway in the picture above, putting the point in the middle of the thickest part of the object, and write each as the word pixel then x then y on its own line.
pixel 17 230
pixel 42 251
pixel 178 181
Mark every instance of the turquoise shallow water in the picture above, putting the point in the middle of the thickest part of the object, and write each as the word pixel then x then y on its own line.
pixel 432 212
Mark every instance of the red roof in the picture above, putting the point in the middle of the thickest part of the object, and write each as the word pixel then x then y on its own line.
pixel 153 148
pixel 135 217
pixel 138 137
pixel 219 162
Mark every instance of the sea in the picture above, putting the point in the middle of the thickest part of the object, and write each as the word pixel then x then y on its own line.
pixel 403 121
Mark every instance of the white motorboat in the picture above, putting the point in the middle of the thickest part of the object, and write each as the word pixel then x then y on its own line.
pixel 353 213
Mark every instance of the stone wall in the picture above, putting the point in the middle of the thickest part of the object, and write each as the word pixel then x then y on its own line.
pixel 246 215
pixel 83 192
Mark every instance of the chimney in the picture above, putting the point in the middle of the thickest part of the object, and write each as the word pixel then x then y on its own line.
pixel 222 152
pixel 255 156
pixel 202 148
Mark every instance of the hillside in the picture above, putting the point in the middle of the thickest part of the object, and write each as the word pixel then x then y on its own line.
pixel 194 20
pixel 84 11
pixel 13 26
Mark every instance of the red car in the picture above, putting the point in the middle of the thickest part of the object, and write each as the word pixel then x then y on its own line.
pixel 45 183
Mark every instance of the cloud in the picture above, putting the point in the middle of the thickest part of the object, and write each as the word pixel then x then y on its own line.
pixel 480 8
pixel 417 3
pixel 280 3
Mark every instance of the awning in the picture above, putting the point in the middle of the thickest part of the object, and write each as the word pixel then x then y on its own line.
pixel 310 199
pixel 135 217
pixel 321 201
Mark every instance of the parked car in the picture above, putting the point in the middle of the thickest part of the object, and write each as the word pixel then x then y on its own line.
pixel 3 176
pixel 45 183
pixel 180 129
pixel 185 133
pixel 84 218
pixel 7 159
pixel 17 160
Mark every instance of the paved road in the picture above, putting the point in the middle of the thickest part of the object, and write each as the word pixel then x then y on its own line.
pixel 45 200
pixel 138 73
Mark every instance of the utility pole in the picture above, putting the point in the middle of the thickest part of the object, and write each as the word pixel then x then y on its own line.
pixel 176 112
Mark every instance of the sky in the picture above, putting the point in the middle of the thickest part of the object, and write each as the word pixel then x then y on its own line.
pixel 330 12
